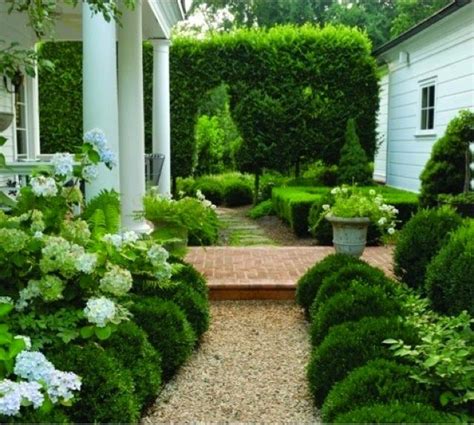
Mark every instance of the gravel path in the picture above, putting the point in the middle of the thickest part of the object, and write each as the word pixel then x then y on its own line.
pixel 250 367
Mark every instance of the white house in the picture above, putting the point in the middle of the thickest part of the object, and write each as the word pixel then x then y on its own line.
pixel 112 91
pixel 429 78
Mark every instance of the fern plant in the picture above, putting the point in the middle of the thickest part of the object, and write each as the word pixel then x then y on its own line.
pixel 103 213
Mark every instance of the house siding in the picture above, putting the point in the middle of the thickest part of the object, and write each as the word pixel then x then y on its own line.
pixel 443 52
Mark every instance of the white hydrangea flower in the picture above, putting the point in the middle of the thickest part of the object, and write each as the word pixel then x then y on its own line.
pixel 38 235
pixel 130 237
pixel 60 385
pixel 200 195
pixel 6 300
pixel 63 164
pixel 163 271
pixel 96 138
pixel 207 204
pixel 116 281
pixel 335 190
pixel 100 311
pixel 16 394
pixel 90 172
pixel 391 230
pixel 115 240
pixel 86 263
pixel 326 207
pixel 44 186
pixel 382 221
pixel 33 366
pixel 157 255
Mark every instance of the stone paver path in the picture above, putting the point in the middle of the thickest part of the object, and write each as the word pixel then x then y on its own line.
pixel 238 230
pixel 249 368
pixel 269 266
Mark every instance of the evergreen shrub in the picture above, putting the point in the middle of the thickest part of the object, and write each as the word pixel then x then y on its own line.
pixel 378 381
pixel 353 165
pixel 308 285
pixel 211 188
pixel 238 193
pixel 168 331
pixel 450 275
pixel 352 304
pixel 262 209
pixel 410 413
pixel 130 345
pixel 342 279
pixel 189 274
pixel 420 240
pixel 351 345
pixel 444 173
pixel 107 392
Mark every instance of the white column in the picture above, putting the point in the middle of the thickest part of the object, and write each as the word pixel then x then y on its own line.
pixel 100 107
pixel 161 110
pixel 32 104
pixel 131 118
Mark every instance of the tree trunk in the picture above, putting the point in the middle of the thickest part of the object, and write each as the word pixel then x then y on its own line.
pixel 257 186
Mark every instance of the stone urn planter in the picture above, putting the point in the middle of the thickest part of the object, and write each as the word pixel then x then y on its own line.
pixel 349 234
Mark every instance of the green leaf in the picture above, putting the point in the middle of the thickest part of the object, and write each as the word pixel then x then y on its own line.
pixel 5 338
pixel 17 346
pixel 431 361
pixel 3 140
pixel 5 309
pixel 3 354
pixel 47 406
pixel 445 398
pixel 87 331
pixel 389 341
pixel 3 161
pixel 6 200
pixel 103 333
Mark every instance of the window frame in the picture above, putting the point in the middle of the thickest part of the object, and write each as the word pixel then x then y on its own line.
pixel 425 84
pixel 25 129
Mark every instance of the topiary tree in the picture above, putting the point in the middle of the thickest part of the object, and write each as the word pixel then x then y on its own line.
pixel 450 275
pixel 420 240
pixel 353 164
pixel 444 173
pixel 379 381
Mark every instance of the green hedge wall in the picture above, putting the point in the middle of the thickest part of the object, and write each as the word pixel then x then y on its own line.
pixel 319 78
pixel 60 95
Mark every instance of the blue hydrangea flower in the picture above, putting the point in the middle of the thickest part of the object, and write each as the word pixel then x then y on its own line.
pixel 96 138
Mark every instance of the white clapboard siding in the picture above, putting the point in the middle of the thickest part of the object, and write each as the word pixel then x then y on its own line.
pixel 6 105
pixel 443 52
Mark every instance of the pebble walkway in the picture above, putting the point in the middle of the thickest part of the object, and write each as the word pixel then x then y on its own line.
pixel 250 367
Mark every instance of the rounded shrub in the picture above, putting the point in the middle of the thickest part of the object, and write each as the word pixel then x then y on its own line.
pixel 212 189
pixel 411 413
pixel 237 193
pixel 130 345
pixel 351 345
pixel 450 275
pixel 107 392
pixel 379 381
pixel 308 285
pixel 342 279
pixel 420 240
pixel 355 303
pixel 168 331
pixel 444 173
pixel 188 273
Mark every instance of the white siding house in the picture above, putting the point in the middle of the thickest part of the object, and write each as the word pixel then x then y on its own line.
pixel 430 79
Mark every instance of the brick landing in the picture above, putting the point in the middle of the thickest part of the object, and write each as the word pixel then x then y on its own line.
pixel 266 272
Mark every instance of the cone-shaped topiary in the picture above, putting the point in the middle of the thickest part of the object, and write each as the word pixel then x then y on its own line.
pixel 353 164
pixel 445 170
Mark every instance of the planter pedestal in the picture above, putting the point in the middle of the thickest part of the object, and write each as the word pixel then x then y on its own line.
pixel 349 234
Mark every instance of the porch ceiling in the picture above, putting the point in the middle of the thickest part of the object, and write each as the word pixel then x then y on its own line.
pixel 158 18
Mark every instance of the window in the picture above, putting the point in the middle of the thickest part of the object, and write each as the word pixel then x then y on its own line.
pixel 427 107
pixel 21 123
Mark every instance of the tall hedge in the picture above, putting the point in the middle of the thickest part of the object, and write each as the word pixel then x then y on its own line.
pixel 319 77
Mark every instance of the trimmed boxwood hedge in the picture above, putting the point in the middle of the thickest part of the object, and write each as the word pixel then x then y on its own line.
pixel 450 275
pixel 408 413
pixel 420 240
pixel 308 285
pixel 341 279
pixel 238 193
pixel 351 345
pixel 130 345
pixel 379 381
pixel 168 330
pixel 354 303
pixel 107 393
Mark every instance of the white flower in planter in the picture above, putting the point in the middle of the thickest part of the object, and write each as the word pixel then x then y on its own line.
pixel 44 186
